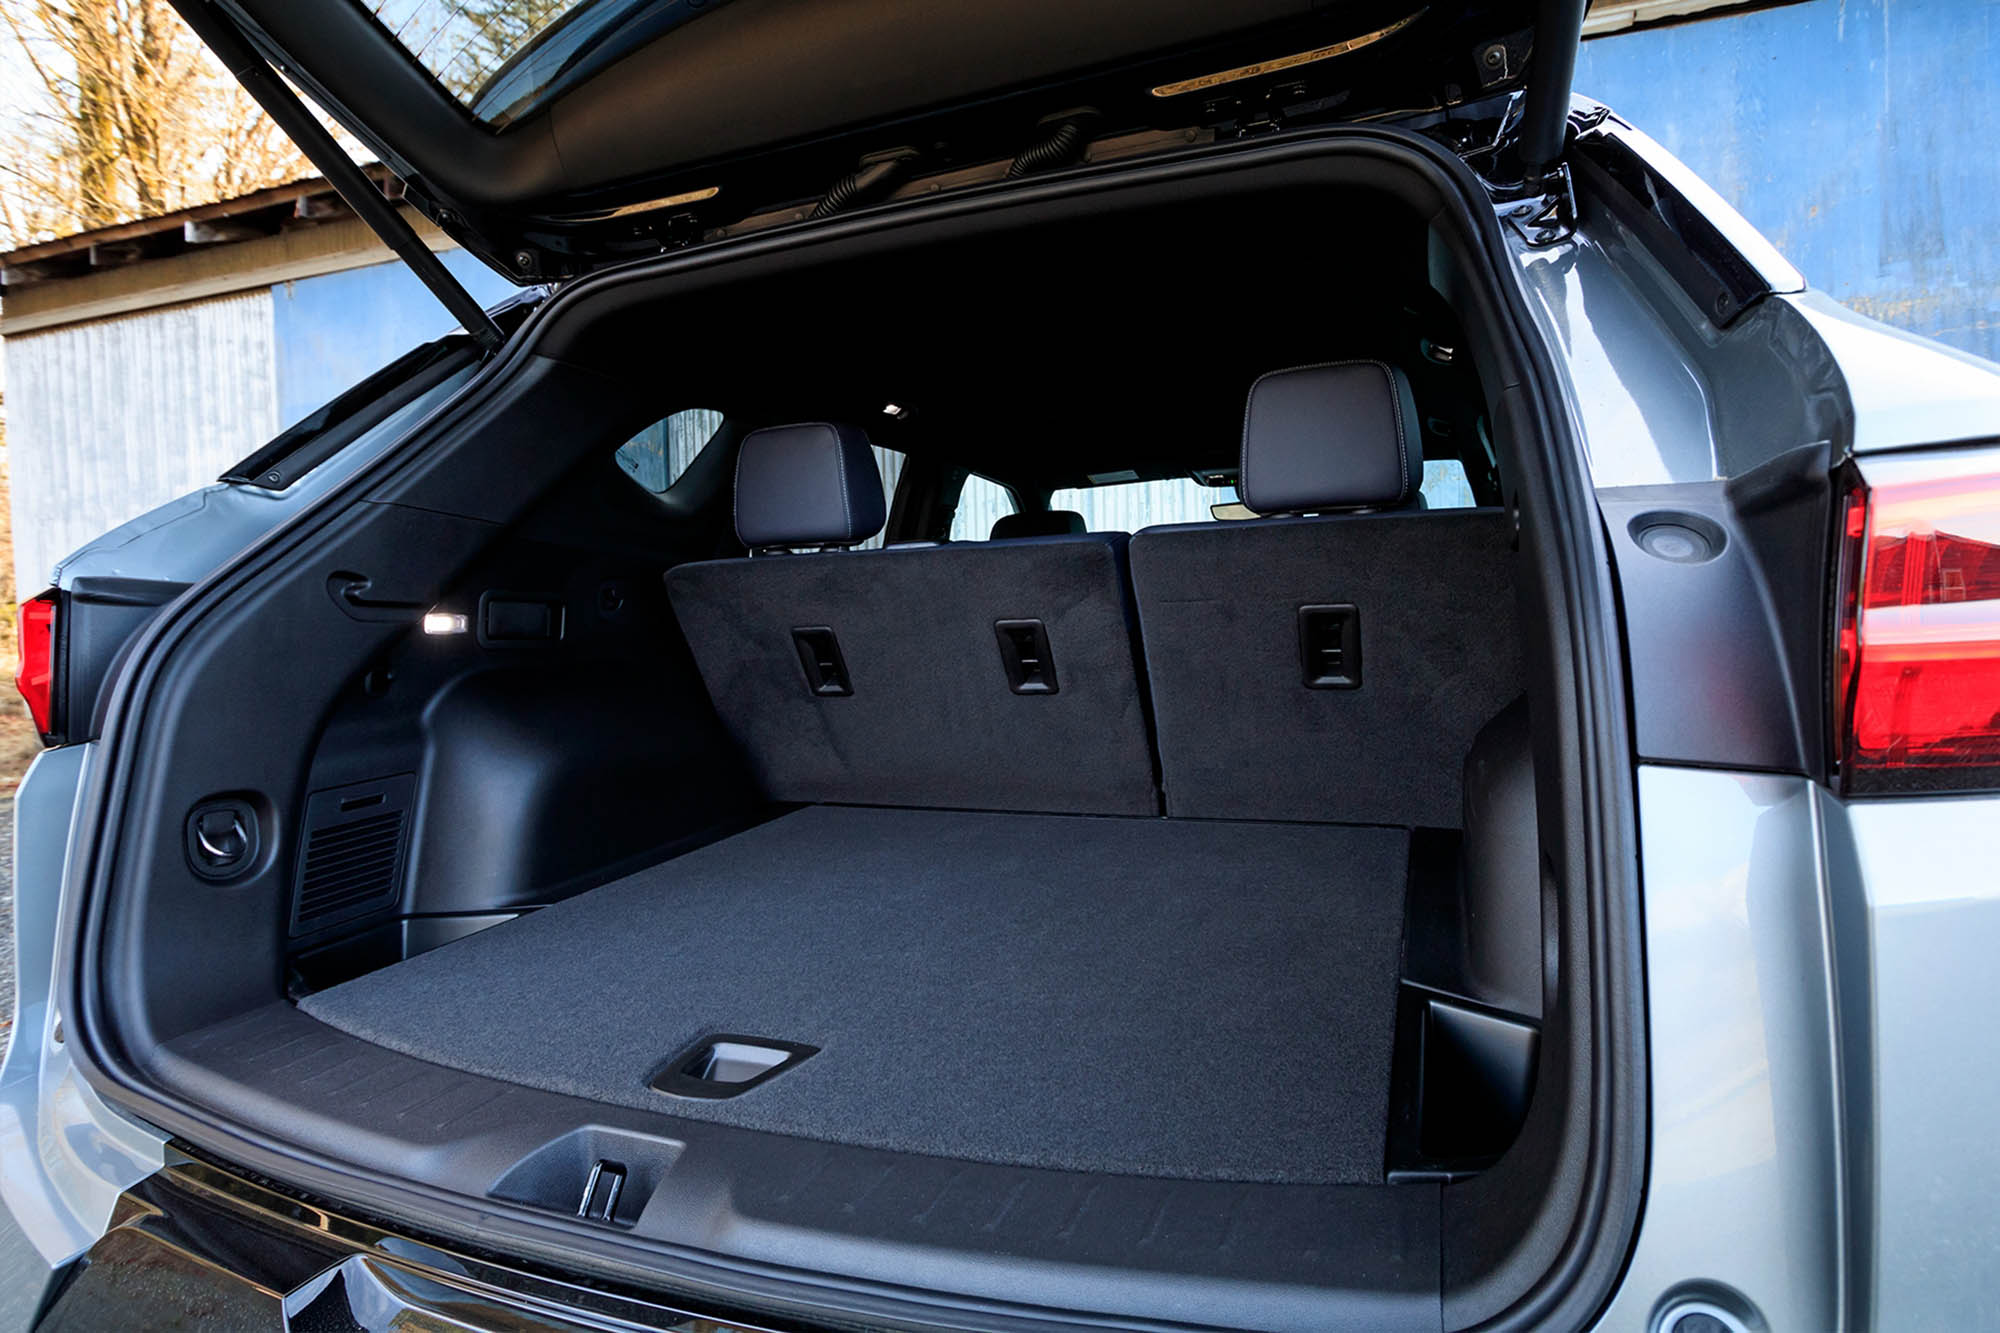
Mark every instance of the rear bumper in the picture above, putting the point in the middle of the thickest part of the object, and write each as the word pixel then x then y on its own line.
pixel 103 1226
pixel 232 1254
pixel 1820 992
pixel 65 1157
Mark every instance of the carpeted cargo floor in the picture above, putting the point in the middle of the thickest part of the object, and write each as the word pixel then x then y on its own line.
pixel 1180 998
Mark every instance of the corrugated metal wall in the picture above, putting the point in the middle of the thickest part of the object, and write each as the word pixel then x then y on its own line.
pixel 110 419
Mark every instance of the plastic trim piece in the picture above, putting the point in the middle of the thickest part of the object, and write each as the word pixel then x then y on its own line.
pixel 703 1070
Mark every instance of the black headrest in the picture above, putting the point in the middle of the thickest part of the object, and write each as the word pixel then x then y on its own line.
pixel 1041 523
pixel 807 485
pixel 1340 436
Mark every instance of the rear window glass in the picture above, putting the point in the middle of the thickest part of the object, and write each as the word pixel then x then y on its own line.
pixel 657 455
pixel 1129 506
pixel 502 58
pixel 463 42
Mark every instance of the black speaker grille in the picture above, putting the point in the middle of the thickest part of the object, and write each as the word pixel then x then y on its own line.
pixel 353 858
pixel 350 864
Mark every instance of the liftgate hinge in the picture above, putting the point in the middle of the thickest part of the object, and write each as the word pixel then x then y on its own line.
pixel 1548 218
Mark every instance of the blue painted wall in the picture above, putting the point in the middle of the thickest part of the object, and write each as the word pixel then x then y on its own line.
pixel 337 329
pixel 1862 137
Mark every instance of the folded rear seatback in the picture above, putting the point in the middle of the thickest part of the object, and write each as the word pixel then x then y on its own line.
pixel 1333 667
pixel 1243 735
pixel 916 676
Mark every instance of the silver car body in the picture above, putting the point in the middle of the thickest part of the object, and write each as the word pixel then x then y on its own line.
pixel 1817 969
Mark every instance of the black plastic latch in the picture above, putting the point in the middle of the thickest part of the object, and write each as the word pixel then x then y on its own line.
pixel 819 654
pixel 1330 646
pixel 1024 652
pixel 601 1190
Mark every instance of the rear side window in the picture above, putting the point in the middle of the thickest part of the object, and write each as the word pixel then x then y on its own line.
pixel 1446 486
pixel 981 504
pixel 656 457
pixel 889 462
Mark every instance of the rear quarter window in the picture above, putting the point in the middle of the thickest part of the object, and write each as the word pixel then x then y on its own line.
pixel 981 504
pixel 656 457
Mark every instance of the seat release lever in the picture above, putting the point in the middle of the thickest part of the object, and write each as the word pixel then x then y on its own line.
pixel 1330 646
pixel 819 654
pixel 1024 652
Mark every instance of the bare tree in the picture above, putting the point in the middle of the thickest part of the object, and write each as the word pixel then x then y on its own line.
pixel 131 115
pixel 490 32
pixel 462 42
pixel 134 117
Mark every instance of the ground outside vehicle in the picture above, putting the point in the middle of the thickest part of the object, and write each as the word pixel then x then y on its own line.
pixel 1123 666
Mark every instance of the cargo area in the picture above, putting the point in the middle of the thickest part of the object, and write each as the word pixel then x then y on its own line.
pixel 860 847
pixel 1204 1000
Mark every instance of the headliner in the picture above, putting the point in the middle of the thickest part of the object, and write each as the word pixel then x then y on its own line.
pixel 1038 356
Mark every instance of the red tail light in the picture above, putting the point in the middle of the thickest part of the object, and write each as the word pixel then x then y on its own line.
pixel 1917 649
pixel 36 678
